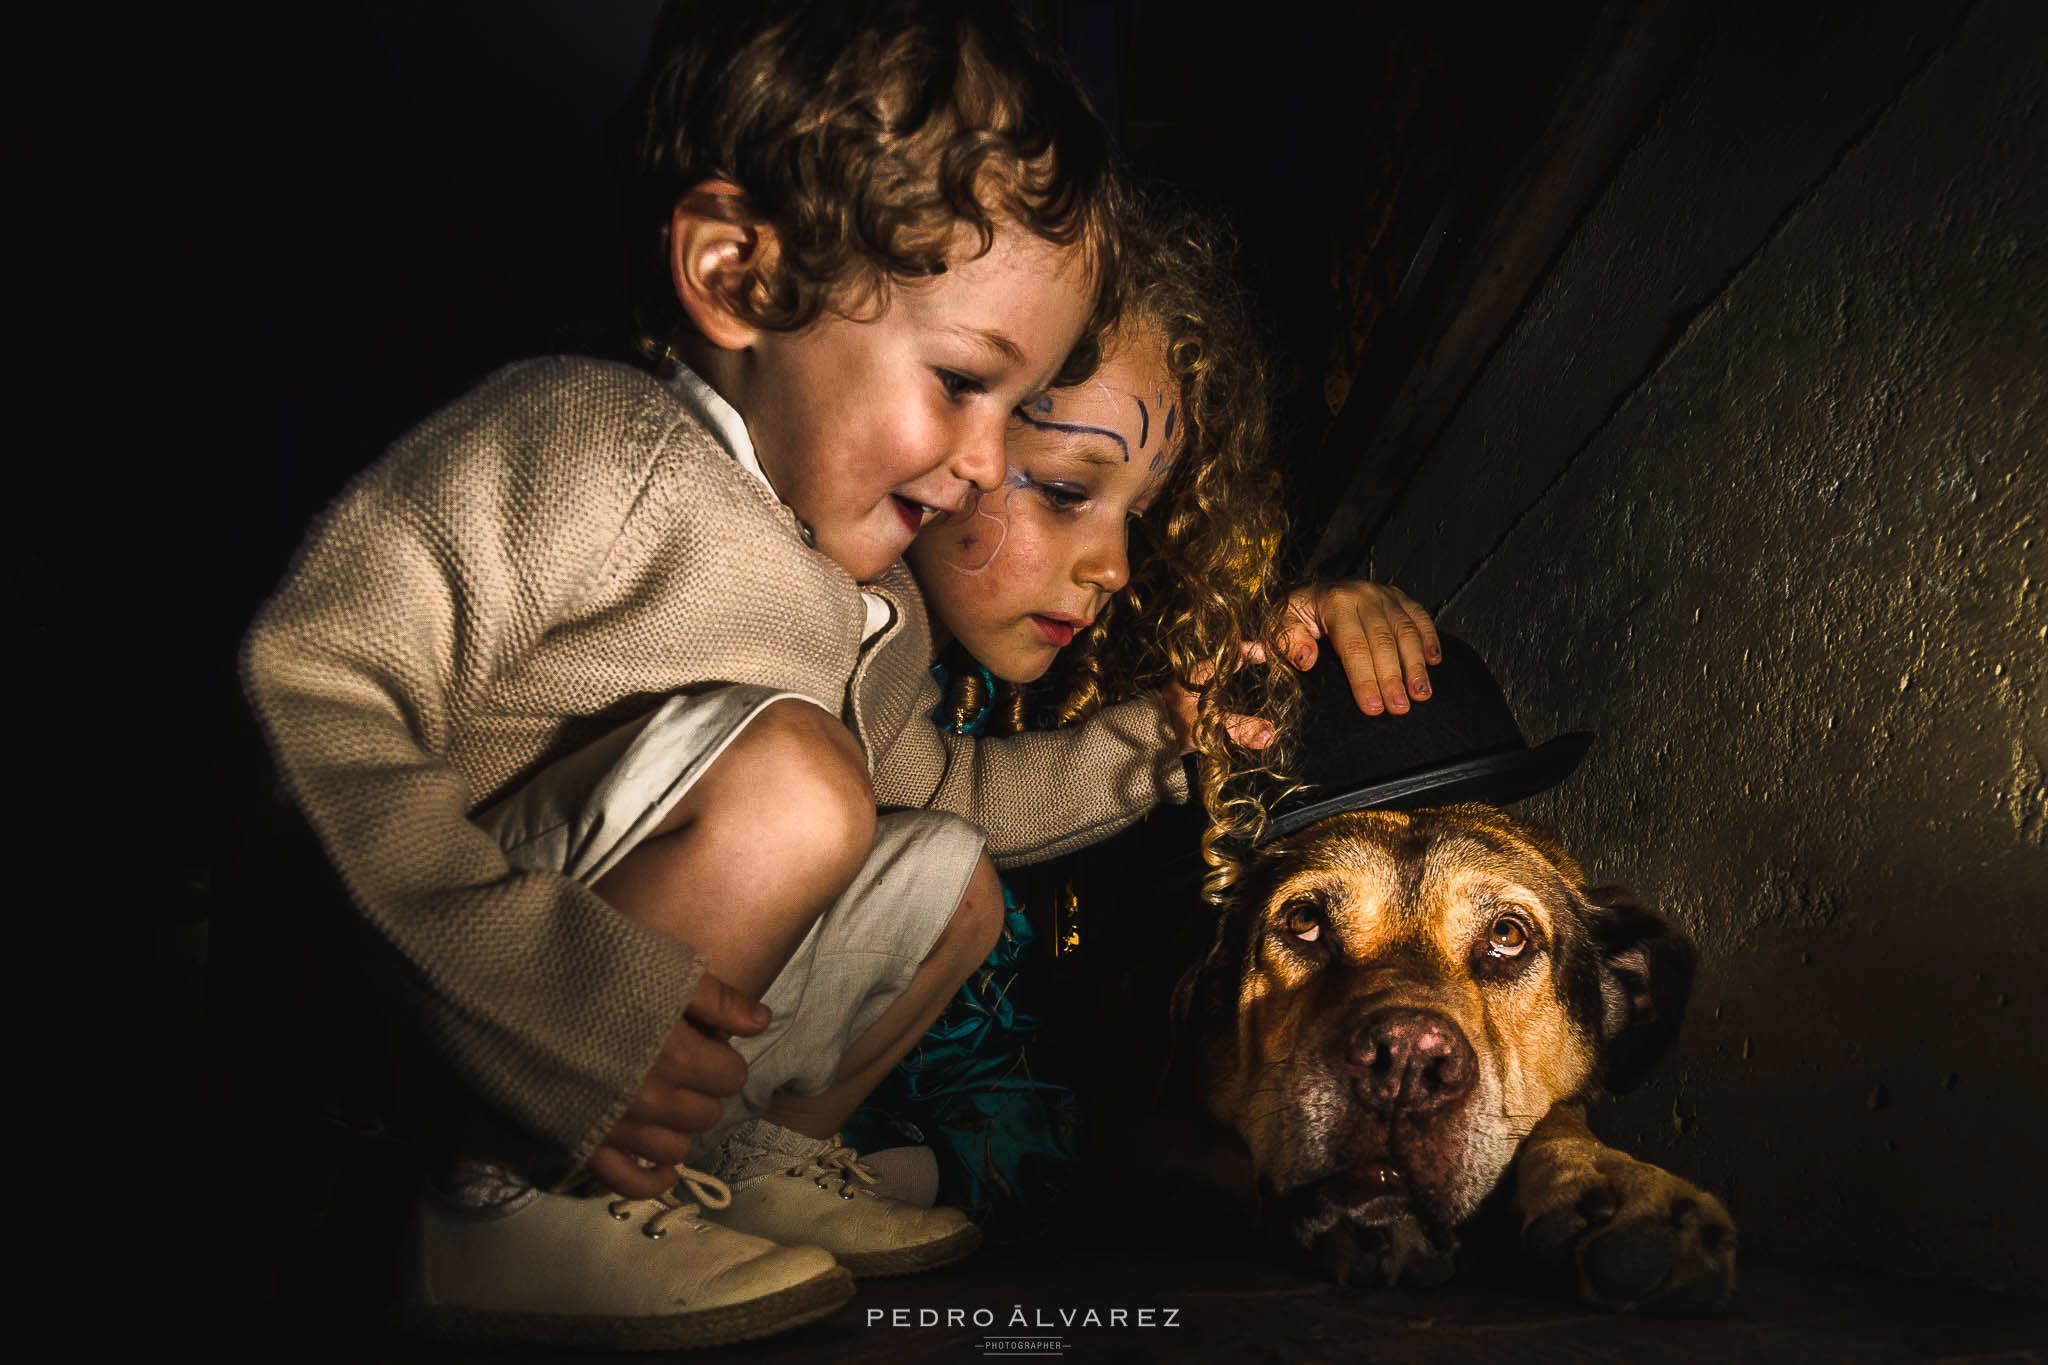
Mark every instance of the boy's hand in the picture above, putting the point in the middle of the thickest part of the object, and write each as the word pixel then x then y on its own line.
pixel 679 1096
pixel 1383 637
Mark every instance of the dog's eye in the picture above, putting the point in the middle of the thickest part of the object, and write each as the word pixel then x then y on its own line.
pixel 1304 920
pixel 1507 938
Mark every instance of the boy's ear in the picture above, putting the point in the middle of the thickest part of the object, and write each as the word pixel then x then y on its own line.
pixel 715 256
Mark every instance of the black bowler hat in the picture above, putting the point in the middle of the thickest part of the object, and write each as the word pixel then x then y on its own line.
pixel 1460 744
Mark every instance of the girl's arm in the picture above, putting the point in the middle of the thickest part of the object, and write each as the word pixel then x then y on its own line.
pixel 1041 794
pixel 1050 792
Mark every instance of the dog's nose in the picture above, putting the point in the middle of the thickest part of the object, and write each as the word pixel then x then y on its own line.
pixel 1410 1062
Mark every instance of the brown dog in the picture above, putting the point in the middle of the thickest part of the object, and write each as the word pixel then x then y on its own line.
pixel 1402 1013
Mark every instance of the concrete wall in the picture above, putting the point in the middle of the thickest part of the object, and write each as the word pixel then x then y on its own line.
pixel 1757 488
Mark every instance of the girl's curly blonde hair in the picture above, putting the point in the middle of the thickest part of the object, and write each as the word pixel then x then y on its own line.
pixel 1204 576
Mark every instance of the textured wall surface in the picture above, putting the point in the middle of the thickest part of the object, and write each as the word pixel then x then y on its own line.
pixel 1759 115
pixel 1793 567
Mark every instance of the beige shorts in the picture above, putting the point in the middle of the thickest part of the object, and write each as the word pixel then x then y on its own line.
pixel 585 812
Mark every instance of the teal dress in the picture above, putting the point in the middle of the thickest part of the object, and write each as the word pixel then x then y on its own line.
pixel 1004 1138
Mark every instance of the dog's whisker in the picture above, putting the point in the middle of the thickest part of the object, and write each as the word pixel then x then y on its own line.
pixel 1256 1117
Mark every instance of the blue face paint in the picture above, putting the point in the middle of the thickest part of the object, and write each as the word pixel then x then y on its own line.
pixel 1144 425
pixel 1165 439
pixel 1075 428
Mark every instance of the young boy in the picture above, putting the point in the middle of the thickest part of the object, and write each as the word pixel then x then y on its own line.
pixel 560 682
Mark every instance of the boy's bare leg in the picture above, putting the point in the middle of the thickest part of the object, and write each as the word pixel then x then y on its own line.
pixel 962 947
pixel 758 848
pixel 763 843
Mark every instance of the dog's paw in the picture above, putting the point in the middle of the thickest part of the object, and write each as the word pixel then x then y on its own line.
pixel 1627 1235
pixel 1401 1253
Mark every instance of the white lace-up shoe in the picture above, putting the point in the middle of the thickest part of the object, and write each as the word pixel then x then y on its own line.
pixel 637 1274
pixel 799 1190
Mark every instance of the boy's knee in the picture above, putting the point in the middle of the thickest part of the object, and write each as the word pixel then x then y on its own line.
pixel 978 919
pixel 810 782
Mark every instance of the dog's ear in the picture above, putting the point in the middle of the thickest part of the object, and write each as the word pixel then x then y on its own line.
pixel 1207 989
pixel 1645 970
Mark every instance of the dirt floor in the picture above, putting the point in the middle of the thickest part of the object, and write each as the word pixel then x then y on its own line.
pixel 1235 1310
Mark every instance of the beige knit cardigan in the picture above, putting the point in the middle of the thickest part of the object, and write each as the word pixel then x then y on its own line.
pixel 538 563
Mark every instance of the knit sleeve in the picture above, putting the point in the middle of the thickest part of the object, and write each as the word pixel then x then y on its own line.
pixel 1041 794
pixel 428 579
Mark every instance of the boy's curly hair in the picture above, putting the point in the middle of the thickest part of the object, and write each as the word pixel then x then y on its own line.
pixel 1204 572
pixel 864 133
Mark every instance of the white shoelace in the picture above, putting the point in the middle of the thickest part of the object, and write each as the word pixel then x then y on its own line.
pixel 670 1206
pixel 841 1166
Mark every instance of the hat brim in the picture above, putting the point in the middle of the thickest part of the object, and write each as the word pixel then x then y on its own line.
pixel 1497 778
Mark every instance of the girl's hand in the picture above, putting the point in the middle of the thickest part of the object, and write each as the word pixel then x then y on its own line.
pixel 1247 732
pixel 1383 637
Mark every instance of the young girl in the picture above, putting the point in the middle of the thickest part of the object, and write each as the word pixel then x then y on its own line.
pixel 1131 548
